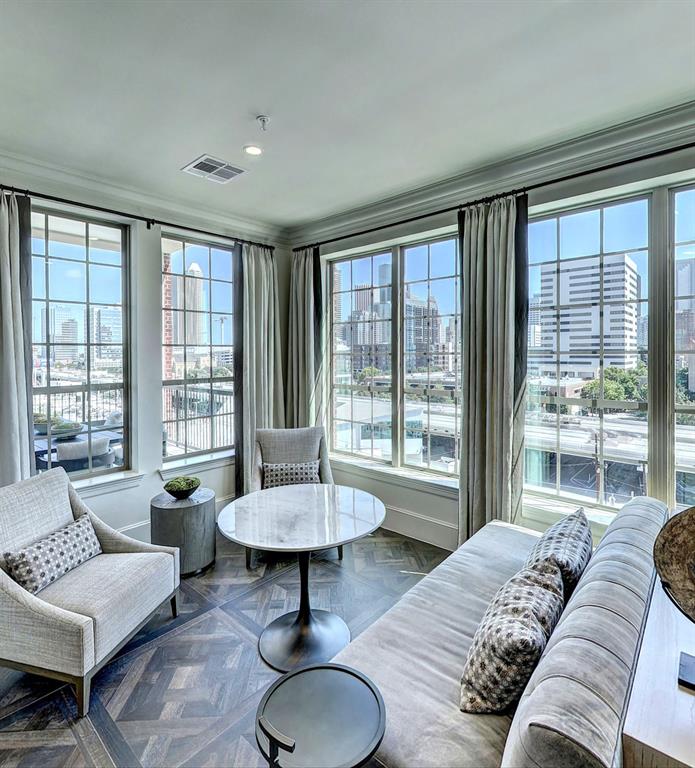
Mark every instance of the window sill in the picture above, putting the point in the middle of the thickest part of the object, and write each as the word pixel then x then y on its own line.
pixel 198 463
pixel 542 512
pixel 109 483
pixel 424 482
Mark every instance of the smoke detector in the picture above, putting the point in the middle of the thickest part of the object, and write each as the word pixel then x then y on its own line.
pixel 213 169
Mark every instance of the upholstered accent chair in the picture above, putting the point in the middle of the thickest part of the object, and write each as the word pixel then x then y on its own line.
pixel 290 446
pixel 70 629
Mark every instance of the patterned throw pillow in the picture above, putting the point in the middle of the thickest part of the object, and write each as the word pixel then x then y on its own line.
pixel 569 540
pixel 290 474
pixel 511 638
pixel 44 561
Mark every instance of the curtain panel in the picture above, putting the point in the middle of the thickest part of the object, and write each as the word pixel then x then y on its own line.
pixel 261 403
pixel 306 342
pixel 493 252
pixel 16 421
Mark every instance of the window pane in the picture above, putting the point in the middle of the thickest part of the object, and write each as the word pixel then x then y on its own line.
pixel 685 215
pixel 685 379
pixel 222 297
pixel 443 258
pixel 172 256
pixel 38 278
pixel 416 263
pixel 197 294
pixel 172 363
pixel 67 238
pixel 625 226
pixel 580 234
pixel 172 291
pixel 222 329
pixel 542 241
pixel 341 276
pixel 66 323
pixel 104 244
pixel 105 324
pixel 38 322
pixel 106 363
pixel 38 233
pixel 197 260
pixel 104 284
pixel 67 281
pixel 68 365
pixel 220 264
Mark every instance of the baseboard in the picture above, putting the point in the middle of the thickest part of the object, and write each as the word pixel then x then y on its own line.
pixel 422 527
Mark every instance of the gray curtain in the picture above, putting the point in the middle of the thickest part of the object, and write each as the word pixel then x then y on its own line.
pixel 306 342
pixel 495 314
pixel 16 454
pixel 262 394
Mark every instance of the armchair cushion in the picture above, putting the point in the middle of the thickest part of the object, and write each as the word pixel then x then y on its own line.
pixel 291 474
pixel 33 508
pixel 44 561
pixel 117 591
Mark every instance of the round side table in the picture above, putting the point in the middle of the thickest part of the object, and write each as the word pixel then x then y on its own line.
pixel 325 715
pixel 188 524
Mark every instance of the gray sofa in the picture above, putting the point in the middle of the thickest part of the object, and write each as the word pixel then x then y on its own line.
pixel 572 710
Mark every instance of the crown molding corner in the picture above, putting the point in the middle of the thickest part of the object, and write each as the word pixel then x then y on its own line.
pixel 17 170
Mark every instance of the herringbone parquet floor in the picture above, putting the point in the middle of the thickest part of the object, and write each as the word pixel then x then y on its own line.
pixel 185 692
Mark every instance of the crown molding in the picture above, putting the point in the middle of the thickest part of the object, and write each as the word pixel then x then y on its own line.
pixel 661 130
pixel 20 171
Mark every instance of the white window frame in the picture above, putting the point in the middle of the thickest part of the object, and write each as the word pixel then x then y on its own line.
pixel 397 251
pixel 126 384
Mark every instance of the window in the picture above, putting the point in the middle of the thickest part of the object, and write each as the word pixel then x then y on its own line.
pixel 79 344
pixel 197 347
pixel 361 356
pixel 431 365
pixel 684 307
pixel 586 418
pixel 394 391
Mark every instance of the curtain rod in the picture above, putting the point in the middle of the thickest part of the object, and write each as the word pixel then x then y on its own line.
pixel 490 198
pixel 149 221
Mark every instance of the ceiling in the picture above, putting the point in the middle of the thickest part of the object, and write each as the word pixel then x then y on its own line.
pixel 366 99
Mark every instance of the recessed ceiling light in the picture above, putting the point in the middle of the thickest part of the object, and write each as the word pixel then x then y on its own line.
pixel 253 149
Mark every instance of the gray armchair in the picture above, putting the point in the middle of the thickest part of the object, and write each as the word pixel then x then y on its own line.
pixel 74 626
pixel 290 446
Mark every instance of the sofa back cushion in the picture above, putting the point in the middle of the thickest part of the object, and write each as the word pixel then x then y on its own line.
pixel 572 710
pixel 33 508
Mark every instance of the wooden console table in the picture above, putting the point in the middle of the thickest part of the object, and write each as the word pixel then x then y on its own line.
pixel 659 730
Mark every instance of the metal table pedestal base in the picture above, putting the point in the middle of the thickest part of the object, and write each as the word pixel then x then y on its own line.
pixel 304 636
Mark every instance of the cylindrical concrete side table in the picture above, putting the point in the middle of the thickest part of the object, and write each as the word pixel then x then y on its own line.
pixel 188 524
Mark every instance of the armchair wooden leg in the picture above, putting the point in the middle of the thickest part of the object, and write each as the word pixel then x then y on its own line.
pixel 340 552
pixel 174 607
pixel 249 552
pixel 83 686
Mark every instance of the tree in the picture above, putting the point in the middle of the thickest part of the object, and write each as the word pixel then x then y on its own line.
pixel 369 372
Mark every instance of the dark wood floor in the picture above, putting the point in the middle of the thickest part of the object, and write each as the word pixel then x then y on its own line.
pixel 185 692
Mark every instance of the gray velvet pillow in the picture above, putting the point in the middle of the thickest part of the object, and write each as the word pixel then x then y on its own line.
pixel 569 541
pixel 275 475
pixel 511 638
pixel 46 560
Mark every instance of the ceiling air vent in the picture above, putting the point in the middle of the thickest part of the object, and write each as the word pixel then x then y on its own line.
pixel 212 169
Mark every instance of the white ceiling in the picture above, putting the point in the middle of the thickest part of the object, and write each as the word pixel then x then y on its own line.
pixel 366 99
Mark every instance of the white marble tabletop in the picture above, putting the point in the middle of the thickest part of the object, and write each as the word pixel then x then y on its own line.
pixel 298 518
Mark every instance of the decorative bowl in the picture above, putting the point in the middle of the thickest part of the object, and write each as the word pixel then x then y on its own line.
pixel 182 487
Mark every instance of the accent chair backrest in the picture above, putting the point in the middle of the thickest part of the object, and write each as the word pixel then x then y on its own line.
pixel 33 508
pixel 573 708
pixel 295 446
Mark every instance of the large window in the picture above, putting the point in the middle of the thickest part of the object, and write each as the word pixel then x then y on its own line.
pixel 79 335
pixel 361 356
pixel 395 356
pixel 197 347
pixel 586 420
pixel 684 307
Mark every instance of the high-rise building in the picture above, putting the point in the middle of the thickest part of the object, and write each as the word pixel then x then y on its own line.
pixel 195 319
pixel 578 338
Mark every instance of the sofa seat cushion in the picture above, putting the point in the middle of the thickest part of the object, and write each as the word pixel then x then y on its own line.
pixel 117 591
pixel 416 651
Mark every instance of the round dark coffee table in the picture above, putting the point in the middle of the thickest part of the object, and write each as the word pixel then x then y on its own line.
pixel 320 716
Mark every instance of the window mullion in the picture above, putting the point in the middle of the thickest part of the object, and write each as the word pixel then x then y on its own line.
pixel 397 367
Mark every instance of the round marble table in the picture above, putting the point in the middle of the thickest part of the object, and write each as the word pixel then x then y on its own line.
pixel 301 519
